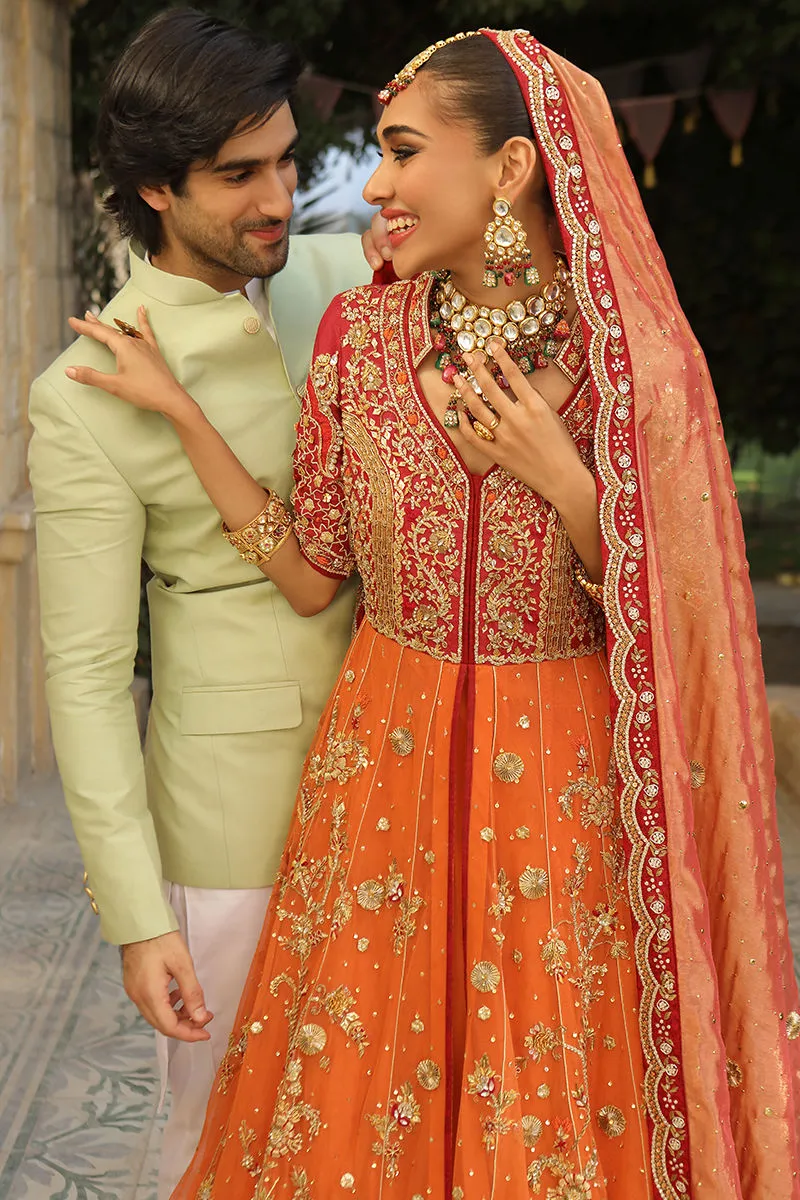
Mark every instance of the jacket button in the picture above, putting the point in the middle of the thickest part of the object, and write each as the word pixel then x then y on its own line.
pixel 251 324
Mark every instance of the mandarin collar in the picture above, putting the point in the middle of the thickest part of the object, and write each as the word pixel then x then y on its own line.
pixel 179 290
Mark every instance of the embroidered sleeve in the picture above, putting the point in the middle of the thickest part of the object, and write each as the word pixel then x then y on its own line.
pixel 319 500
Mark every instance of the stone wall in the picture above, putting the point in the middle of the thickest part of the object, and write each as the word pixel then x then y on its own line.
pixel 36 296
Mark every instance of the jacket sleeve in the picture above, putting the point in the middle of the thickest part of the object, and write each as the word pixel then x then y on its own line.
pixel 90 529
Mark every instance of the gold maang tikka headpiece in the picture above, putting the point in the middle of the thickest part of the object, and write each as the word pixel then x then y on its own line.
pixel 405 77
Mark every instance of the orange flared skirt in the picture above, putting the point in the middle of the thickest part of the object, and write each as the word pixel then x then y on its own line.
pixel 443 1002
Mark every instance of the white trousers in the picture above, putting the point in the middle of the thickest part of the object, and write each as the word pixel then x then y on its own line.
pixel 221 929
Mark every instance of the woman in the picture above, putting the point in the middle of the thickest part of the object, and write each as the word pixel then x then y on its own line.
pixel 528 935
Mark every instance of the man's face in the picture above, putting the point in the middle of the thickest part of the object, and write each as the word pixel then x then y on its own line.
pixel 231 223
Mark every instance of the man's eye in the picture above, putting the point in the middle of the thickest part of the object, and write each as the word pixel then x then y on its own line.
pixel 242 177
pixel 290 157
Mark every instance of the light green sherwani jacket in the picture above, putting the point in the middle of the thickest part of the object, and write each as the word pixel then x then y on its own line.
pixel 239 680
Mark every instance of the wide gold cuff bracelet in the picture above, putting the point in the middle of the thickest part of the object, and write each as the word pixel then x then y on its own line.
pixel 266 533
pixel 592 589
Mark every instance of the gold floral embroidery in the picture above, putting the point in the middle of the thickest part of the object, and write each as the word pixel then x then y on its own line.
pixel 404 1113
pixel 379 486
pixel 485 1084
pixel 542 1041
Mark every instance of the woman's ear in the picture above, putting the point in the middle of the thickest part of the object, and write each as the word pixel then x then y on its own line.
pixel 517 161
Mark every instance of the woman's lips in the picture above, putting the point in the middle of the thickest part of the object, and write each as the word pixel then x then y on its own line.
pixel 397 236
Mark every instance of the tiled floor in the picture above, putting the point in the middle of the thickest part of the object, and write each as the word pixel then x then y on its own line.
pixel 78 1080
pixel 78 1077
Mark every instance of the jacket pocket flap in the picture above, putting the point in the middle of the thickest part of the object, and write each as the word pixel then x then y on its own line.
pixel 247 709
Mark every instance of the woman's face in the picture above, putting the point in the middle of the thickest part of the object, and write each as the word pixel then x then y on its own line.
pixel 433 186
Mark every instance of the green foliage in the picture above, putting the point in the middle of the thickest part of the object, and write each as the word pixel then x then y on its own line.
pixel 726 233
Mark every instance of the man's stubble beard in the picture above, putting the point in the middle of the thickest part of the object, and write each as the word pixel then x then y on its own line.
pixel 210 253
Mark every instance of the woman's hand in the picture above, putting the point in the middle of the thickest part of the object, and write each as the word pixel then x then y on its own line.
pixel 528 438
pixel 142 378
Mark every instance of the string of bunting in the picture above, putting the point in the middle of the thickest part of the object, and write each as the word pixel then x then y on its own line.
pixel 647 119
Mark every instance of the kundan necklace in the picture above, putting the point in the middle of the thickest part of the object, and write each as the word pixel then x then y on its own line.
pixel 530 330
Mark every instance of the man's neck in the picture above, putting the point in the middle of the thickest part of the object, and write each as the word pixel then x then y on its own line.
pixel 177 262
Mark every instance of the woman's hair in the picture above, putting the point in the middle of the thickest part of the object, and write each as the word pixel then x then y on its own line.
pixel 477 86
pixel 180 89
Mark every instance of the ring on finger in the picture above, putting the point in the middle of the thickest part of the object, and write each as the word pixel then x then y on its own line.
pixel 494 424
pixel 483 433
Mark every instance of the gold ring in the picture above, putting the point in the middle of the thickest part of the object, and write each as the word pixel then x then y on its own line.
pixel 129 330
pixel 485 434
pixel 495 422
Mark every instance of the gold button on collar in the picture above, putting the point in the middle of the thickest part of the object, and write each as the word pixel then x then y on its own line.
pixel 251 324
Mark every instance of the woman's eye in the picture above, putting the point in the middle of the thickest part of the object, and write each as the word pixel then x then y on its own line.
pixel 401 153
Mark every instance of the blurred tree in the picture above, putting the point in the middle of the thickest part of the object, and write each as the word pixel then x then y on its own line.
pixel 726 232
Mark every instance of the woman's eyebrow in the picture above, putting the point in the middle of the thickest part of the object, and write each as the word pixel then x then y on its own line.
pixel 394 130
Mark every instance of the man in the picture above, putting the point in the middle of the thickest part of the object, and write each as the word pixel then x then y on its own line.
pixel 197 139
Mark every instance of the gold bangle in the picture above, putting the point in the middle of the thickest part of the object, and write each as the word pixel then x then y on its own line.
pixel 592 589
pixel 257 541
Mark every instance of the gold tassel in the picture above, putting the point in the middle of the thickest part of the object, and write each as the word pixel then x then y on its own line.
pixel 690 120
pixel 736 154
pixel 650 179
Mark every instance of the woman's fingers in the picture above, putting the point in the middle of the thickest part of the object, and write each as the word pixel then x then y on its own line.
pixel 93 378
pixel 97 331
pixel 476 404
pixel 484 444
pixel 146 328
pixel 500 400
pixel 519 383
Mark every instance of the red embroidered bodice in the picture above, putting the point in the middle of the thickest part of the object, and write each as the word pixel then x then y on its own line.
pixel 465 568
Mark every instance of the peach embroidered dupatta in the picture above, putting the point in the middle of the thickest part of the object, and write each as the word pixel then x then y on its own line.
pixel 718 1012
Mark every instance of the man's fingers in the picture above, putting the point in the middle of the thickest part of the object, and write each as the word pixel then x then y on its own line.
pixel 371 252
pixel 92 378
pixel 191 992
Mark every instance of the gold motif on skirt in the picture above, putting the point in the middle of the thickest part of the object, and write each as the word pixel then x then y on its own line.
pixel 311 1039
pixel 402 740
pixel 611 1120
pixel 734 1073
pixel 531 1131
pixel 533 883
pixel 509 768
pixel 485 977
pixel 429 1074
pixel 371 894
pixel 793 1025
pixel 698 774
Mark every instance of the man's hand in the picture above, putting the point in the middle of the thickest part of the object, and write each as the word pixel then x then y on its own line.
pixel 375 242
pixel 149 970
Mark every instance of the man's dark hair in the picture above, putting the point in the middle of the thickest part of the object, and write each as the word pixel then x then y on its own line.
pixel 179 90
